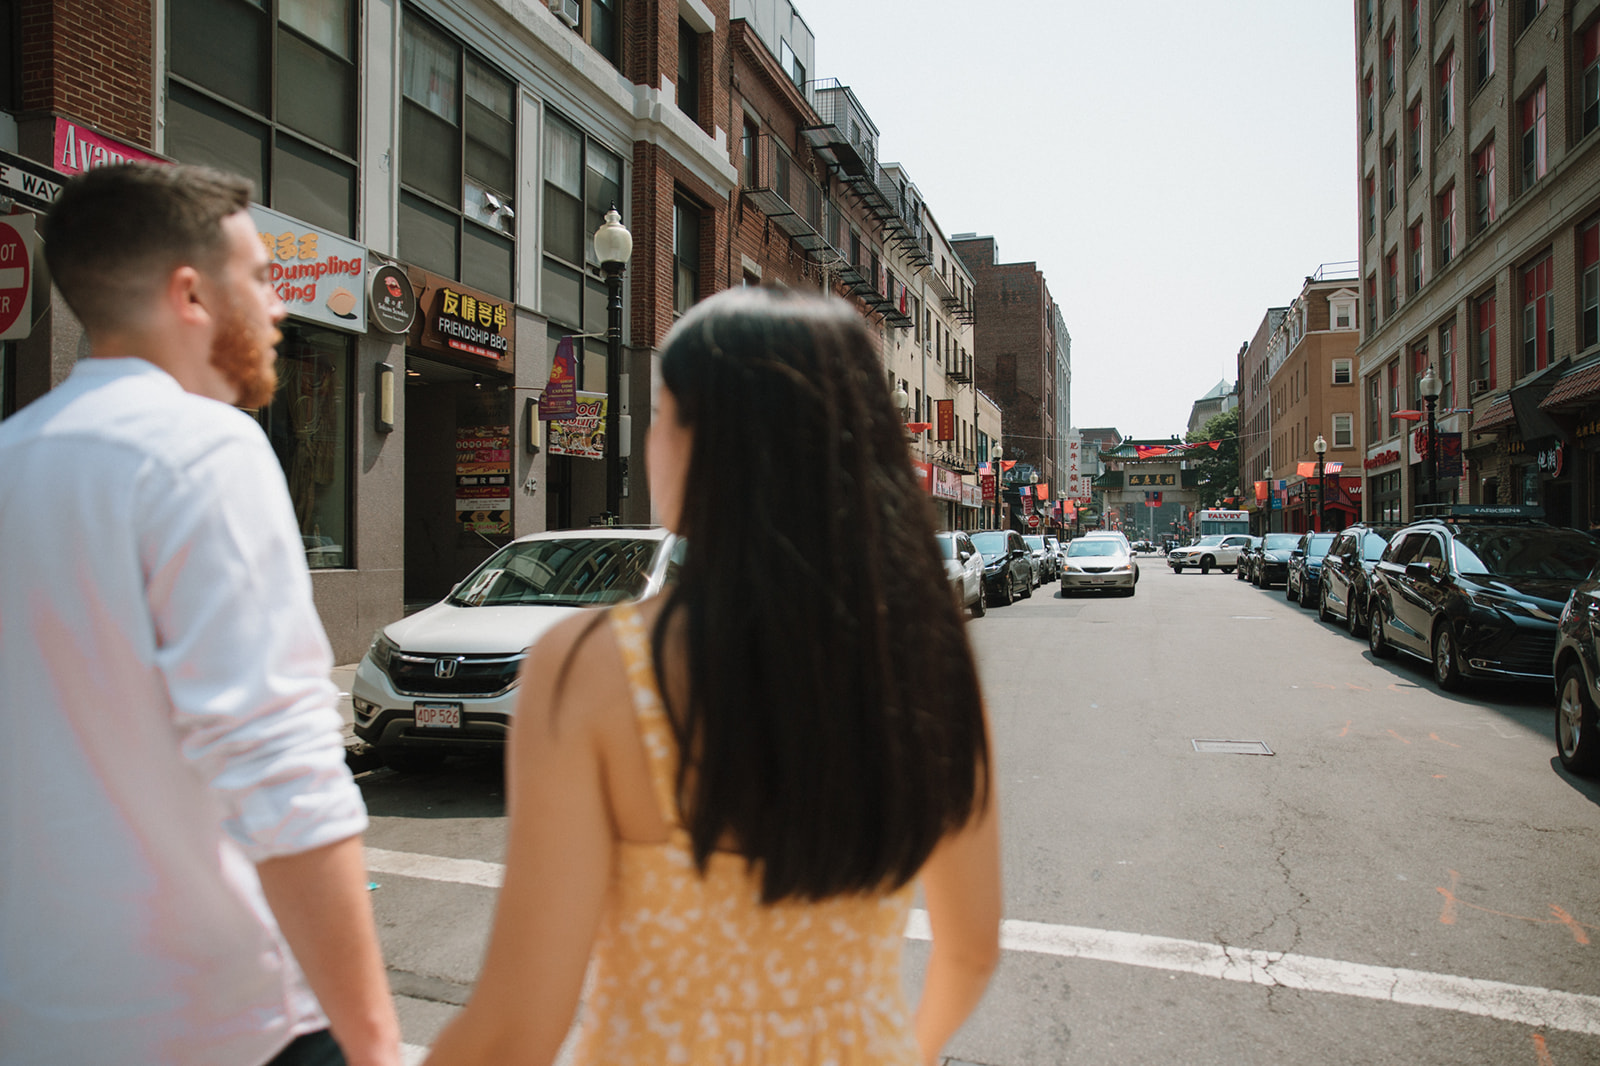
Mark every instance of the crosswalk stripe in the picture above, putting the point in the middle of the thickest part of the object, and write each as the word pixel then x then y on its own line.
pixel 1523 1004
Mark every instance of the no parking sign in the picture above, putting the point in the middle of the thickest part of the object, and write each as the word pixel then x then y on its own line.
pixel 16 276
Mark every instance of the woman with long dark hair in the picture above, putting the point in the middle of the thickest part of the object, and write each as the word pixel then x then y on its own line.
pixel 723 796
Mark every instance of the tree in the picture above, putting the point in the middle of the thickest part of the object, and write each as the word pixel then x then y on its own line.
pixel 1219 470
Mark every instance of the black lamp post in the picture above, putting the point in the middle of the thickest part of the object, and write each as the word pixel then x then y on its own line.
pixel 1430 387
pixel 1320 446
pixel 613 244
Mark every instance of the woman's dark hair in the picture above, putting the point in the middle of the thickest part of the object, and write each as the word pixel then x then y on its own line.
pixel 833 728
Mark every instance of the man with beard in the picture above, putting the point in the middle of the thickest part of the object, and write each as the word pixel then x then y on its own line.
pixel 181 878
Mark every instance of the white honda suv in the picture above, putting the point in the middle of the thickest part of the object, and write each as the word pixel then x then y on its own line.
pixel 1216 550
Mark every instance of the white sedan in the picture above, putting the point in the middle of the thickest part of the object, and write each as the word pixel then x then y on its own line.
pixel 963 565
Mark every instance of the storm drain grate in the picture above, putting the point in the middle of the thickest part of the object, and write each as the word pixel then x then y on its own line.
pixel 1232 747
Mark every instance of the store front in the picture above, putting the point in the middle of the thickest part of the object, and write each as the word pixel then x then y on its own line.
pixel 460 417
pixel 1383 491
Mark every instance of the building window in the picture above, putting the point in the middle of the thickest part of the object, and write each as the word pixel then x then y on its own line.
pixel 308 423
pixel 1590 90
pixel 1483 186
pixel 1369 196
pixel 1416 258
pixel 1341 371
pixel 1367 13
pixel 458 172
pixel 1447 365
pixel 1391 193
pixel 791 64
pixel 749 145
pixel 1414 25
pixel 1344 313
pixel 1530 11
pixel 1394 396
pixel 1483 361
pixel 685 254
pixel 1414 141
pixel 604 30
pixel 1388 65
pixel 1369 93
pixel 1483 42
pixel 1374 409
pixel 1391 283
pixel 1447 93
pixel 268 90
pixel 1343 431
pixel 1589 270
pixel 1372 304
pixel 688 71
pixel 581 183
pixel 1447 226
pixel 1533 138
pixel 1538 323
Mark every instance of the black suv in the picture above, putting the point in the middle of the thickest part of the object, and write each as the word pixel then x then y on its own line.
pixel 1347 574
pixel 1478 592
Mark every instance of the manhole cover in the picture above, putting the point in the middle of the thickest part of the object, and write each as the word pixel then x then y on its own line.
pixel 1232 747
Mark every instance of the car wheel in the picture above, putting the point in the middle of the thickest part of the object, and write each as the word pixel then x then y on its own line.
pixel 980 606
pixel 1177 569
pixel 1130 590
pixel 1322 605
pixel 1576 739
pixel 1206 563
pixel 1376 641
pixel 1288 589
pixel 1352 619
pixel 412 760
pixel 1227 569
pixel 1308 595
pixel 1255 579
pixel 1008 592
pixel 1446 664
pixel 1027 588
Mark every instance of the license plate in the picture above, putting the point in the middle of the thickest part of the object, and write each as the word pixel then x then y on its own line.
pixel 438 715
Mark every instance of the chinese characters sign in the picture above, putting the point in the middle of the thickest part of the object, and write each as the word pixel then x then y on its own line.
pixel 318 275
pixel 483 479
pixel 1138 480
pixel 945 417
pixel 470 327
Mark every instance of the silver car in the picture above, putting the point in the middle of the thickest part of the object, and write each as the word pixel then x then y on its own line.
pixel 964 567
pixel 1099 563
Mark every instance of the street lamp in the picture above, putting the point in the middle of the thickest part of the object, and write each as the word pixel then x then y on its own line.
pixel 1320 446
pixel 613 244
pixel 1266 524
pixel 1430 386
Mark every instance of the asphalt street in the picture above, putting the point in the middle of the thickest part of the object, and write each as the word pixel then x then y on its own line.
pixel 1409 877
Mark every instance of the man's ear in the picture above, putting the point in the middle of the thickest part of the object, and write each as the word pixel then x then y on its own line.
pixel 183 297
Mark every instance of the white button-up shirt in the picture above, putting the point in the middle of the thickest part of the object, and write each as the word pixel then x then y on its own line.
pixel 166 722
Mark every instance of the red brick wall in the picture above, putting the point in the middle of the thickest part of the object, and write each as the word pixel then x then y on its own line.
pixel 1011 351
pixel 90 60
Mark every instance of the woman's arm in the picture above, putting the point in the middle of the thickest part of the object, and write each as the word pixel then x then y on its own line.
pixel 558 865
pixel 961 884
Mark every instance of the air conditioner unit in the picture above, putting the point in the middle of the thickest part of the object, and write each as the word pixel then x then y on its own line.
pixel 566 11
pixel 1478 387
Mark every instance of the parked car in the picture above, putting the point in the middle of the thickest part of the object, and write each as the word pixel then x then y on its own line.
pixel 1270 566
pixel 1219 550
pixel 1007 564
pixel 1577 674
pixel 444 679
pixel 964 567
pixel 1044 560
pixel 1247 559
pixel 1475 596
pixel 1305 568
pixel 1347 575
pixel 1143 546
pixel 1099 563
pixel 1058 550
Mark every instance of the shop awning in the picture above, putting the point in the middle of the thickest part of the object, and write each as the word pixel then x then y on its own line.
pixel 1499 414
pixel 1578 386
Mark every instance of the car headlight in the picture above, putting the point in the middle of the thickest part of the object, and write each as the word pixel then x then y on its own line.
pixel 381 651
pixel 1507 605
pixel 1124 569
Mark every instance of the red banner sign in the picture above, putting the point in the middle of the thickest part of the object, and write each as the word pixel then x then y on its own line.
pixel 945 414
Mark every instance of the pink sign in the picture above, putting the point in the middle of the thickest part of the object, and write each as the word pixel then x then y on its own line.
pixel 79 149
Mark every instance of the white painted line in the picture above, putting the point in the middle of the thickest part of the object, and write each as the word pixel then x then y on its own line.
pixel 1524 1004
pixel 1538 1007
pixel 435 868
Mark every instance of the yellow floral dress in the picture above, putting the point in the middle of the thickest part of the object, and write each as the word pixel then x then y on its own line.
pixel 692 969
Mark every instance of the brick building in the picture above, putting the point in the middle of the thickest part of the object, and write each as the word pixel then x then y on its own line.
pixel 1479 220
pixel 1255 411
pixel 1017 353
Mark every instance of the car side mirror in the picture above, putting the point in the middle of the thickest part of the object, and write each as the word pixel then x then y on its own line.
pixel 1296 554
pixel 1419 571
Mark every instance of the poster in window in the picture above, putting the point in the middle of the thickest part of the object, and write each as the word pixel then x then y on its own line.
pixel 483 478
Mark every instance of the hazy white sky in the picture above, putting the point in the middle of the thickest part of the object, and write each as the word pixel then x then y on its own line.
pixel 1175 167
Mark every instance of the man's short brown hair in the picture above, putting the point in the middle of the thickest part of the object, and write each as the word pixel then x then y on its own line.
pixel 118 231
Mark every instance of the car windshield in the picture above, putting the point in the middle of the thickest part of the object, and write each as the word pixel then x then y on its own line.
pixel 1036 543
pixel 1317 545
pixel 1208 542
pixel 568 572
pixel 992 543
pixel 1281 542
pixel 1563 554
pixel 1096 547
pixel 1372 545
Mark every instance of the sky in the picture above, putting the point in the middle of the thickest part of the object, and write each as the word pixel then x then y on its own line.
pixel 1175 168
